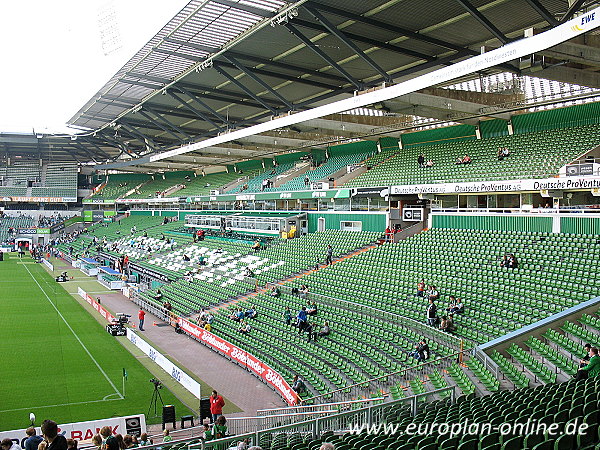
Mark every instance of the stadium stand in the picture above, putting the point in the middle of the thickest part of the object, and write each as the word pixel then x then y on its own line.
pixel 532 155
pixel 204 184
pixel 160 183
pixel 117 185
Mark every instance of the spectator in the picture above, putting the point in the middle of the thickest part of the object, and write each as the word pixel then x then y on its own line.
pixel 311 309
pixel 303 291
pixel 309 328
pixel 256 246
pixel 306 181
pixel 166 436
pixel 216 406
pixel 503 152
pixel 243 444
pixel 220 429
pixel 128 441
pixel 431 313
pixel 456 306
pixel 186 258
pixel 458 160
pixel 145 440
pixel 298 385
pixel 8 444
pixel 97 441
pixel 158 295
pixel 301 319
pixel 586 358
pixel 275 292
pixel 33 440
pixel 421 351
pixel 466 159
pixel 53 440
pixel 512 262
pixel 237 316
pixel 447 324
pixel 248 273
pixel 244 327
pixel 324 331
pixel 329 255
pixel 592 369
pixel 420 289
pixel 432 293
pixel 421 160
pixel 504 262
pixel 206 434
pixel 327 446
pixel 429 163
pixel 251 313
pixel 141 316
pixel 287 316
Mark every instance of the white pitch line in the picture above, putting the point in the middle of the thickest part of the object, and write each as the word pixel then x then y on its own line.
pixel 75 334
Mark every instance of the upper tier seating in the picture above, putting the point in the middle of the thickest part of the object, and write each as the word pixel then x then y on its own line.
pixel 532 155
pixel 161 182
pixel 202 185
pixel 119 184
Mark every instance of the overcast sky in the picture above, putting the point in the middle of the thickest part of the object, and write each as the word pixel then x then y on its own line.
pixel 57 54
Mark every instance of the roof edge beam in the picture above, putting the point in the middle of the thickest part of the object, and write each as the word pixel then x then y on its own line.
pixel 477 15
pixel 244 88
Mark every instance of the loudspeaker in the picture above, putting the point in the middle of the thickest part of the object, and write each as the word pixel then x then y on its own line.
pixel 168 415
pixel 205 408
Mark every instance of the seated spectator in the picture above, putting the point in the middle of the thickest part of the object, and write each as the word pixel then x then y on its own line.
pixel 421 160
pixel 456 306
pixel 447 324
pixel 586 358
pixel 324 331
pixel 298 385
pixel 256 246
pixel 311 309
pixel 218 251
pixel 206 433
pixel 219 428
pixel 248 273
pixel 244 327
pixel 592 369
pixel 504 262
pixel 8 444
pixel 251 313
pixel 421 351
pixel 429 163
pixel 275 292
pixel 466 159
pixel 158 295
pixel 145 440
pixel 237 316
pixel 303 291
pixel 512 262
pixel 33 440
pixel 52 439
pixel 186 258
pixel 432 293
pixel 309 328
pixel 458 160
pixel 503 152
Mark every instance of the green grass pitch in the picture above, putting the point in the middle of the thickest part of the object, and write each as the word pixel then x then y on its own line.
pixel 57 360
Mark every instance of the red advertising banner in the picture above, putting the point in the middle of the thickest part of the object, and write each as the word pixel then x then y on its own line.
pixel 97 306
pixel 244 358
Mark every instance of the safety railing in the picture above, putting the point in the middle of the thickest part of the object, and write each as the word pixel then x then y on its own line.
pixel 385 383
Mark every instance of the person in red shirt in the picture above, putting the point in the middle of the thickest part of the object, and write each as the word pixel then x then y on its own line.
pixel 216 405
pixel 141 316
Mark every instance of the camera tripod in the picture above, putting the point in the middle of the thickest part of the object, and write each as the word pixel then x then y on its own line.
pixel 155 397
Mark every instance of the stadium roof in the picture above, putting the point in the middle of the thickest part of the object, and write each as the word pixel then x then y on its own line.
pixel 221 65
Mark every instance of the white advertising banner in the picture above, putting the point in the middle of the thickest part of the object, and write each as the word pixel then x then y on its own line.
pixel 82 431
pixel 565 183
pixel 179 375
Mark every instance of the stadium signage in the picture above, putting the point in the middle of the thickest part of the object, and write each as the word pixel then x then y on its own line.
pixel 58 227
pixel 134 425
pixel 101 201
pixel 27 231
pixel 412 214
pixel 499 186
pixel 174 371
pixel 149 272
pixel 243 358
